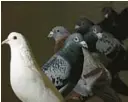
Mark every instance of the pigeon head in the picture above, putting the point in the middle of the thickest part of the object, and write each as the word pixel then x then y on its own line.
pixel 108 12
pixel 82 25
pixel 97 31
pixel 58 32
pixel 72 47
pixel 74 40
pixel 14 39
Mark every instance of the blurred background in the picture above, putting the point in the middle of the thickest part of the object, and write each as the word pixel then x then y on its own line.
pixel 35 20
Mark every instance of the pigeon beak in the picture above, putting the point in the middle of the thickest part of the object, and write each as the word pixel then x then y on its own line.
pixel 5 41
pixel 84 44
pixel 99 35
pixel 77 26
pixel 50 34
pixel 106 15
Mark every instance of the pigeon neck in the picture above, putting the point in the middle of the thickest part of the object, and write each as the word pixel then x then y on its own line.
pixel 71 54
pixel 59 44
pixel 61 38
pixel 86 53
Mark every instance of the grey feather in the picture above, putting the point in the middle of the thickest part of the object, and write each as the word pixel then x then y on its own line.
pixel 106 45
pixel 57 69
pixel 61 66
pixel 95 79
pixel 93 70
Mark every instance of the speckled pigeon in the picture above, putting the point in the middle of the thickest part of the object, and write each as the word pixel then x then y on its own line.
pixel 105 43
pixel 62 65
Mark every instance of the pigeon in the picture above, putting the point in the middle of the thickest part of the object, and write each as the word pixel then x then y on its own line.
pixel 105 43
pixel 62 68
pixel 109 13
pixel 59 34
pixel 95 78
pixel 91 38
pixel 27 81
pixel 110 21
pixel 115 23
pixel 83 24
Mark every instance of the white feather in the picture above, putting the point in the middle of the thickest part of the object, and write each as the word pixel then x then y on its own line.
pixel 27 81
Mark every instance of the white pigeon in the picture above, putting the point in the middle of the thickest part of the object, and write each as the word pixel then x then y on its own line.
pixel 27 81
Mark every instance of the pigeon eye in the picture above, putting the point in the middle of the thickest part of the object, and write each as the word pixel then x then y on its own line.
pixel 76 39
pixel 58 30
pixel 14 37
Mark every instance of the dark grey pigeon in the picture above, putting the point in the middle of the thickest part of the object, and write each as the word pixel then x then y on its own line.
pixel 83 24
pixel 110 22
pixel 115 23
pixel 66 65
pixel 109 13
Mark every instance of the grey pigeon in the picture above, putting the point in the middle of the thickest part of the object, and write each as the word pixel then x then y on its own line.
pixel 95 79
pixel 83 24
pixel 60 68
pixel 59 34
pixel 27 81
pixel 105 43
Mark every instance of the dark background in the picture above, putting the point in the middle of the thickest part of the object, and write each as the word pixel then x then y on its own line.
pixel 35 20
